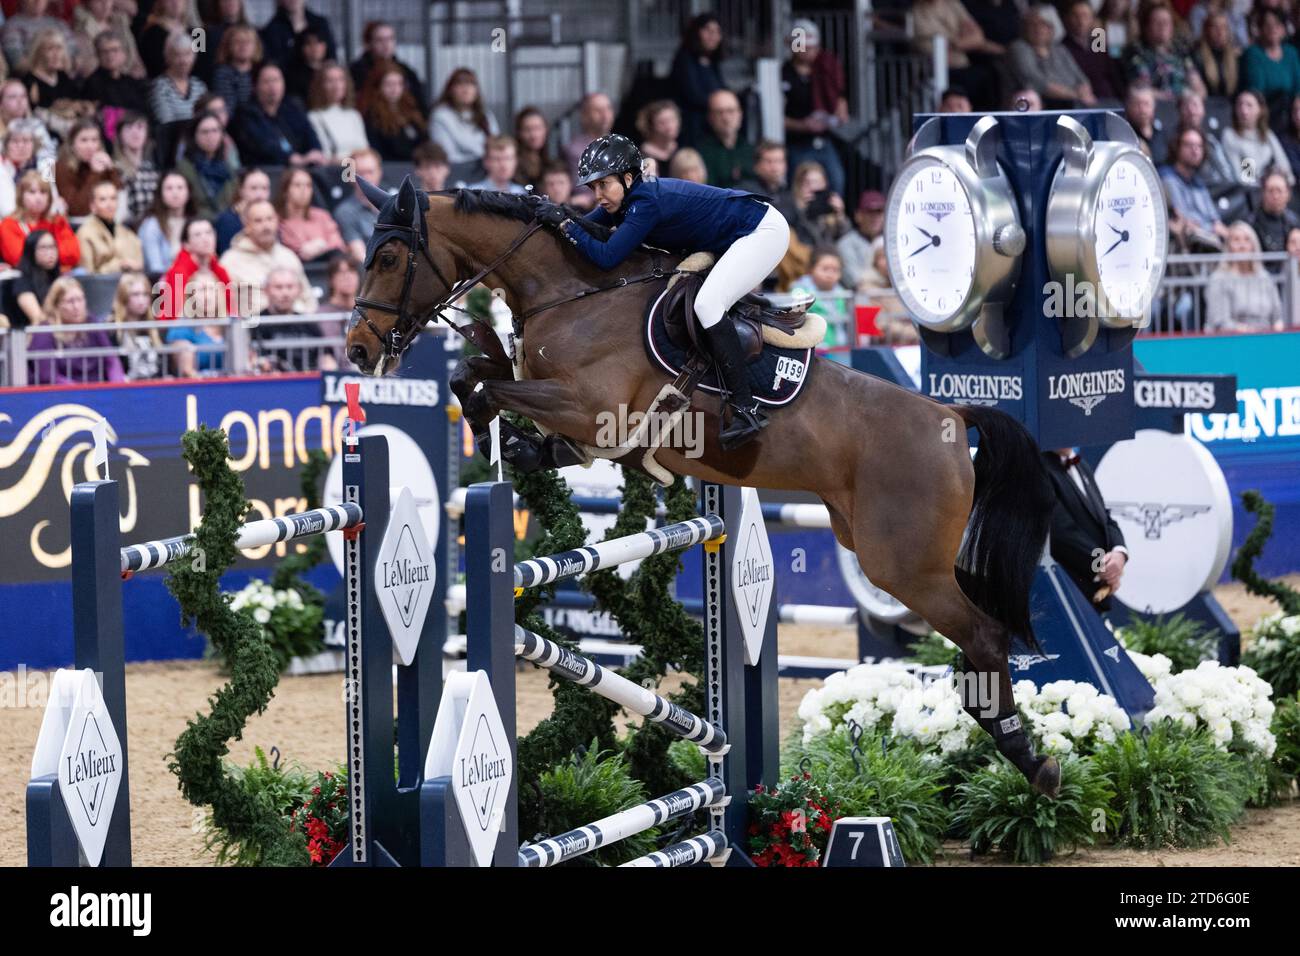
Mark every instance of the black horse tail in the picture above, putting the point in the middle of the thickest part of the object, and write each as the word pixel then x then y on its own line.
pixel 1009 520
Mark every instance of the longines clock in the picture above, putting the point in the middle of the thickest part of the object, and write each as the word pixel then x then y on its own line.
pixel 1107 231
pixel 953 237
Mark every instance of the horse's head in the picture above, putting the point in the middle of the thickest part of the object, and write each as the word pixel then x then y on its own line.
pixel 403 285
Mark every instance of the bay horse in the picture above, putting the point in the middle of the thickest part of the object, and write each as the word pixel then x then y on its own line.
pixel 956 540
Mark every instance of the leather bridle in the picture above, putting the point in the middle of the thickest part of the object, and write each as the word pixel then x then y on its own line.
pixel 408 325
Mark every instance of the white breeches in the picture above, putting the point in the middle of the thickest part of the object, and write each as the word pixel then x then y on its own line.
pixel 743 267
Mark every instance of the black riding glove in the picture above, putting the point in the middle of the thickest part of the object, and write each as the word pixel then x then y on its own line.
pixel 550 213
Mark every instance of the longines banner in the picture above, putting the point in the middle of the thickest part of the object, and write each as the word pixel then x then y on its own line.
pixel 1259 445
pixel 45 448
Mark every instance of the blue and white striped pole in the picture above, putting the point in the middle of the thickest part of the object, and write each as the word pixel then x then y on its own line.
pixel 607 554
pixel 815 614
pixel 255 534
pixel 632 697
pixel 687 853
pixel 620 826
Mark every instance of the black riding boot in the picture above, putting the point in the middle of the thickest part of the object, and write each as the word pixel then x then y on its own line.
pixel 746 418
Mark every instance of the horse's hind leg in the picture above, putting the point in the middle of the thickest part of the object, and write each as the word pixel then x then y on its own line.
pixel 985 686
pixel 913 557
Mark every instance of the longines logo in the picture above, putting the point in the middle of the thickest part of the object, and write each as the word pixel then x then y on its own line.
pixel 1086 390
pixel 1088 402
pixel 1184 393
pixel 968 388
pixel 939 209
pixel 1022 662
pixel 1121 204
pixel 382 391
pixel 1152 515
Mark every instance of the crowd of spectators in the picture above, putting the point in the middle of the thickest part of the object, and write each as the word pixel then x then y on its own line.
pixel 199 161
pixel 1212 90
pixel 216 175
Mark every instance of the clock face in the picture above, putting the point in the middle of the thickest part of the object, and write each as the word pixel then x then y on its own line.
pixel 931 240
pixel 1129 236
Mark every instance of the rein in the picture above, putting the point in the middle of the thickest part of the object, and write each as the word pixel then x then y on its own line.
pixel 656 273
pixel 408 324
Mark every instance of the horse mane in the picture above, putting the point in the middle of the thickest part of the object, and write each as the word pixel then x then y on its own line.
pixel 493 203
pixel 518 208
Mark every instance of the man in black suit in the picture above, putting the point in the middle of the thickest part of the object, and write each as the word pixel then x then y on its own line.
pixel 1086 541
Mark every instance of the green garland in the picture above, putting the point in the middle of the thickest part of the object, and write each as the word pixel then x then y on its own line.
pixel 247 816
pixel 288 573
pixel 1243 566
pixel 297 632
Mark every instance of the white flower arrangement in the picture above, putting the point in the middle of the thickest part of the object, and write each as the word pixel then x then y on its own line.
pixel 1287 624
pixel 1271 633
pixel 1067 716
pixel 1154 667
pixel 1233 702
pixel 1070 715
pixel 262 599
pixel 888 698
pixel 868 694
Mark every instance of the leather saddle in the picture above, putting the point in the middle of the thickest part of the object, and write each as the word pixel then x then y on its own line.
pixel 750 314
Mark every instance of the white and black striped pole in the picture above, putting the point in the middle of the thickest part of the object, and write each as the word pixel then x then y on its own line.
pixel 620 826
pixel 254 534
pixel 632 697
pixel 606 554
pixel 687 853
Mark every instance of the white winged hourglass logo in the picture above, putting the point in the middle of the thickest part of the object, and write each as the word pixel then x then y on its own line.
pixel 1154 516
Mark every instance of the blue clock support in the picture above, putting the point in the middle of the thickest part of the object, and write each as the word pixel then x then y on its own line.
pixel 1064 401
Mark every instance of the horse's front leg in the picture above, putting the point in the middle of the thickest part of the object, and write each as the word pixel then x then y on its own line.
pixel 466 378
pixel 549 402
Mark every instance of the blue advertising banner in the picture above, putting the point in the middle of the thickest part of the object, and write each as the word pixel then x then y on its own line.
pixel 45 448
pixel 1258 446
pixel 274 423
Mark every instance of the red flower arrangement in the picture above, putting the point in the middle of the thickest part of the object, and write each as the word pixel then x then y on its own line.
pixel 324 818
pixel 791 823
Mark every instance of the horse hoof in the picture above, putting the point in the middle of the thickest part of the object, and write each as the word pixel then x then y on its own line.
pixel 521 450
pixel 1047 779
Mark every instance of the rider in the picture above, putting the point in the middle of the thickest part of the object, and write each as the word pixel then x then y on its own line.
pixel 747 234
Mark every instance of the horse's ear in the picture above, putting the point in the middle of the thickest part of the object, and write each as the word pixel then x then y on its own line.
pixel 374 195
pixel 408 202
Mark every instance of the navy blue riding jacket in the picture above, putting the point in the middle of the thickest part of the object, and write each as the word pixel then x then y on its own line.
pixel 672 214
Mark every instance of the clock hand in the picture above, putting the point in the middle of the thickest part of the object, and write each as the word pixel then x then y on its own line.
pixel 934 241
pixel 1118 242
pixel 927 235
pixel 1119 232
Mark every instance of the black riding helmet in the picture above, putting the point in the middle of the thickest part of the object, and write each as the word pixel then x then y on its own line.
pixel 610 155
